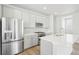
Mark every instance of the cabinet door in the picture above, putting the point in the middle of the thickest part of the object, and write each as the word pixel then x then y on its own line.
pixel 34 40
pixel 0 11
pixel 32 20
pixel 27 42
pixel 17 14
pixel 25 17
pixel 20 46
pixel 8 12
pixel 45 22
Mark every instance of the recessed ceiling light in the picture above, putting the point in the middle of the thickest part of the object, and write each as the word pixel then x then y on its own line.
pixel 44 8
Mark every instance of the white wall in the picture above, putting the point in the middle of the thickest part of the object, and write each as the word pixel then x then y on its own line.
pixel 75 25
pixel 57 24
pixel 51 21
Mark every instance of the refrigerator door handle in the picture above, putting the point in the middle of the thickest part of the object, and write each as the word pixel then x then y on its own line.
pixel 5 36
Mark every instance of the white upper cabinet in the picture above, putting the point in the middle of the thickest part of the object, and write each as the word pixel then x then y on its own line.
pixel 29 19
pixel 45 22
pixel 25 17
pixel 11 12
pixel 17 14
pixel 8 12
pixel 32 20
pixel 0 11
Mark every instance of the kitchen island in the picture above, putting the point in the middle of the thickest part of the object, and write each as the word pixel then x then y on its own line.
pixel 56 44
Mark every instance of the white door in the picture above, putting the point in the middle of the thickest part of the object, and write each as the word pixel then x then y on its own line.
pixel 67 24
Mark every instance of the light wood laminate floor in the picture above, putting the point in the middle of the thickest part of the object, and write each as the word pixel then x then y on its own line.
pixel 36 50
pixel 31 51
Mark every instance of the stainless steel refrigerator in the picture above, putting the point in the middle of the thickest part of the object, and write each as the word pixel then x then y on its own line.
pixel 12 36
pixel 0 37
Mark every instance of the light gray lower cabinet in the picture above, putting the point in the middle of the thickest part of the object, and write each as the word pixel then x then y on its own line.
pixel 27 42
pixel 30 40
pixel 34 40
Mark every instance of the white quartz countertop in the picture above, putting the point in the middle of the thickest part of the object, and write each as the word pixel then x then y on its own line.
pixel 68 38
pixel 54 39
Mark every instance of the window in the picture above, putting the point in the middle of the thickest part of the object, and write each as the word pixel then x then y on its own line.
pixel 67 24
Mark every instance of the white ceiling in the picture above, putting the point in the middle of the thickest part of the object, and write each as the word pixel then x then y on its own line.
pixel 51 8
